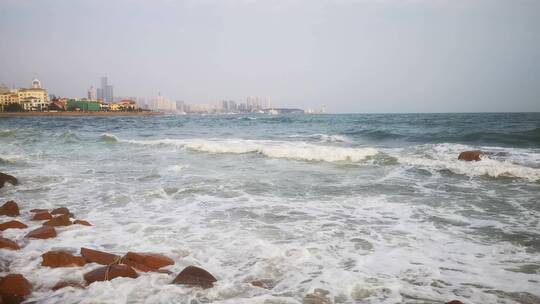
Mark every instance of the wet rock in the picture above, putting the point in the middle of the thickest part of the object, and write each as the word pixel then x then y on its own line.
pixel 62 210
pixel 13 299
pixel 45 232
pixel 103 258
pixel 195 276
pixel 82 222
pixel 61 258
pixel 63 284
pixel 12 225
pixel 454 302
pixel 15 285
pixel 7 178
pixel 110 272
pixel 60 220
pixel 263 283
pixel 470 155
pixel 39 210
pixel 8 244
pixel 150 260
pixel 42 216
pixel 10 209
pixel 319 296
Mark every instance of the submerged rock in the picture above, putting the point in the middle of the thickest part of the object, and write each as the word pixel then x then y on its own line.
pixel 62 210
pixel 61 220
pixel 263 283
pixel 12 225
pixel 82 222
pixel 45 232
pixel 319 296
pixel 7 178
pixel 8 244
pixel 39 210
pixel 63 284
pixel 95 256
pixel 15 285
pixel 110 272
pixel 151 260
pixel 195 276
pixel 10 208
pixel 454 302
pixel 41 216
pixel 470 155
pixel 61 258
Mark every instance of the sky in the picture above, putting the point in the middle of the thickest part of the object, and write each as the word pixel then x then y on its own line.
pixel 354 56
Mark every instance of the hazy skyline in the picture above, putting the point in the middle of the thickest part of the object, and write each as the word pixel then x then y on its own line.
pixel 351 55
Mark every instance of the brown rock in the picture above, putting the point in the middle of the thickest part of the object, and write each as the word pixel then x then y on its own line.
pixel 62 210
pixel 99 257
pixel 45 232
pixel 151 260
pixel 60 258
pixel 10 209
pixel 110 272
pixel 61 220
pixel 7 178
pixel 42 216
pixel 12 225
pixel 15 284
pixel 195 276
pixel 266 284
pixel 39 210
pixel 470 155
pixel 64 284
pixel 454 302
pixel 8 244
pixel 13 299
pixel 82 222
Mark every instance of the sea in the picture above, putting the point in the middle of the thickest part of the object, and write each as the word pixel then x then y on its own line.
pixel 368 208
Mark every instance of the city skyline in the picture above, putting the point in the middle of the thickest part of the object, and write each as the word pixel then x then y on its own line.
pixel 352 56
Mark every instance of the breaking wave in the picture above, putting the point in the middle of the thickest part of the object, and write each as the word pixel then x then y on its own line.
pixel 444 157
pixel 324 137
pixel 269 148
pixel 106 137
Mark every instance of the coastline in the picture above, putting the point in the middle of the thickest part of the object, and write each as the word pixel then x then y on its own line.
pixel 72 113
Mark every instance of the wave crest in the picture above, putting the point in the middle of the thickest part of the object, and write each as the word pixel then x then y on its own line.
pixel 269 148
pixel 107 137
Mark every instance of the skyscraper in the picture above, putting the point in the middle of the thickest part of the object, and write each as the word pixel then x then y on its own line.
pixel 92 94
pixel 106 90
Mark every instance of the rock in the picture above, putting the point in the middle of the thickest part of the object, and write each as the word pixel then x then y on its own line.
pixel 39 210
pixel 263 283
pixel 7 178
pixel 455 302
pixel 470 155
pixel 82 222
pixel 8 244
pixel 319 296
pixel 10 209
pixel 195 276
pixel 13 299
pixel 62 210
pixel 60 258
pixel 110 272
pixel 61 220
pixel 63 284
pixel 15 284
pixel 151 260
pixel 99 257
pixel 41 216
pixel 45 232
pixel 12 225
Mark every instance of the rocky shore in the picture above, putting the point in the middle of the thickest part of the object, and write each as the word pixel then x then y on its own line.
pixel 47 224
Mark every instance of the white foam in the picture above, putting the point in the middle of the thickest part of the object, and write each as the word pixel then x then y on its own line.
pixel 444 156
pixel 107 137
pixel 269 148
pixel 324 137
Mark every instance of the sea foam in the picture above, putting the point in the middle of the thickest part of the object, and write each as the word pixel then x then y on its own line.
pixel 269 148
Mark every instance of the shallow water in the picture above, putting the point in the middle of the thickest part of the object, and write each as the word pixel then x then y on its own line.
pixel 373 208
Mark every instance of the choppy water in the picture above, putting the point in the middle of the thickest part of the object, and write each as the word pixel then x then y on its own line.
pixel 373 208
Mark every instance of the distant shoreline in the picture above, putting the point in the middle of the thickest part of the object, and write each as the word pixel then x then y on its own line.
pixel 73 113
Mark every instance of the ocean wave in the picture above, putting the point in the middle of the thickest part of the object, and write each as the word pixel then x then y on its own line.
pixel 7 133
pixel 69 137
pixel 324 137
pixel 106 137
pixel 444 157
pixel 269 148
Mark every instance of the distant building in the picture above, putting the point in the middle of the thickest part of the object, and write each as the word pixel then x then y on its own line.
pixel 161 103
pixel 180 106
pixel 105 93
pixel 83 105
pixel 92 93
pixel 34 98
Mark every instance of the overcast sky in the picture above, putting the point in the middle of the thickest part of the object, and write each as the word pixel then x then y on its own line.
pixel 351 55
